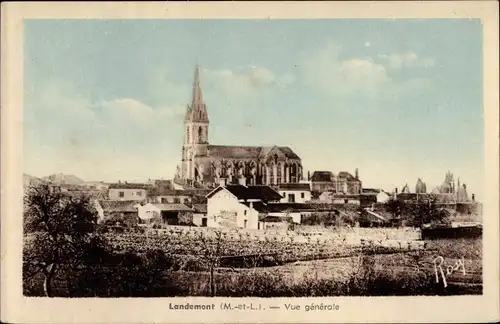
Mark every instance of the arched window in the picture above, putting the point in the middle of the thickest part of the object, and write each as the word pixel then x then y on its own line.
pixel 187 134
pixel 200 134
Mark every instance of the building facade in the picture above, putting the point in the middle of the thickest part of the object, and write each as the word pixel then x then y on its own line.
pixel 343 182
pixel 204 163
pixel 295 192
pixel 128 191
pixel 237 206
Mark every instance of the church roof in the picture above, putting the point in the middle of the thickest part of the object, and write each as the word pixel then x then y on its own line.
pixel 346 175
pixel 322 176
pixel 247 152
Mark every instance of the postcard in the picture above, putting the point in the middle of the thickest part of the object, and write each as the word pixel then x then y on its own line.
pixel 250 162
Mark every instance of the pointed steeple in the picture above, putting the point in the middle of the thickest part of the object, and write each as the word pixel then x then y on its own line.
pixel 197 112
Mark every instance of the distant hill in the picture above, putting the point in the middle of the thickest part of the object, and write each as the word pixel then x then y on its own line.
pixel 64 179
pixel 29 180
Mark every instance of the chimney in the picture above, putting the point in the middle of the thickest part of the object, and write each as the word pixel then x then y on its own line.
pixel 222 182
pixel 473 197
pixel 396 190
pixel 242 181
pixel 356 174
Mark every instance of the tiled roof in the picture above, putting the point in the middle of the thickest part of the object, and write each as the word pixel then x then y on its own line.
pixel 200 208
pixel 295 186
pixel 248 152
pixel 118 206
pixel 264 193
pixel 129 186
pixel 322 176
pixel 347 175
pixel 371 191
pixel 242 152
pixel 258 206
pixel 172 207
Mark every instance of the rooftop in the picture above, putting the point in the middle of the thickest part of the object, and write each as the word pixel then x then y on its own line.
pixel 264 193
pixel 295 186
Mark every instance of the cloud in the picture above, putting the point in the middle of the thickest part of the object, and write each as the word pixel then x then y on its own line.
pixel 66 132
pixel 246 81
pixel 327 72
pixel 408 59
pixel 330 73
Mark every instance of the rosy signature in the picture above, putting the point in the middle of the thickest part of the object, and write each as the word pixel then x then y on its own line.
pixel 438 269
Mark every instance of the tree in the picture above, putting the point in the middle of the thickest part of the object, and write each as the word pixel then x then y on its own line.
pixel 60 231
pixel 427 212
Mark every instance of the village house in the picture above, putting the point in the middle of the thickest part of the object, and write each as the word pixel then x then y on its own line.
pixel 167 214
pixel 233 205
pixel 124 212
pixel 295 192
pixel 128 191
pixel 371 196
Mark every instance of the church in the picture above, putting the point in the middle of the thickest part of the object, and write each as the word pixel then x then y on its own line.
pixel 204 164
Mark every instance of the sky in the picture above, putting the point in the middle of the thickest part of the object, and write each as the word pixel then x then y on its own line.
pixel 398 99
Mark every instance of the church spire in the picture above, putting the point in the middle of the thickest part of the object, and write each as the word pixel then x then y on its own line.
pixel 197 112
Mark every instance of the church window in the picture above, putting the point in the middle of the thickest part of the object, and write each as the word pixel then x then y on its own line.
pixel 187 134
pixel 200 134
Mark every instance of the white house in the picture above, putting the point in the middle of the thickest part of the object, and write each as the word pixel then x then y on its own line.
pixel 383 196
pixel 200 215
pixel 128 191
pixel 378 195
pixel 295 192
pixel 233 205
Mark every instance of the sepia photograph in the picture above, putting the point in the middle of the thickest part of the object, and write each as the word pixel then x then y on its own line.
pixel 253 164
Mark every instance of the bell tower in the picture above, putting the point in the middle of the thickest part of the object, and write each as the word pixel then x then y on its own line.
pixel 195 131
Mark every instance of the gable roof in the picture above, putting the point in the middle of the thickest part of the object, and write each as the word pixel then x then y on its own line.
pixel 347 175
pixel 248 152
pixel 241 192
pixel 130 186
pixel 322 176
pixel 118 205
pixel 295 186
pixel 172 207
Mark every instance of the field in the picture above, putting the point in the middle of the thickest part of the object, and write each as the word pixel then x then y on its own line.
pixel 306 262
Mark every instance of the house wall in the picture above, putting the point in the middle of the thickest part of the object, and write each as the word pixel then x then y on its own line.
pixel 382 197
pixel 128 194
pixel 172 199
pixel 298 195
pixel 198 219
pixel 224 210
